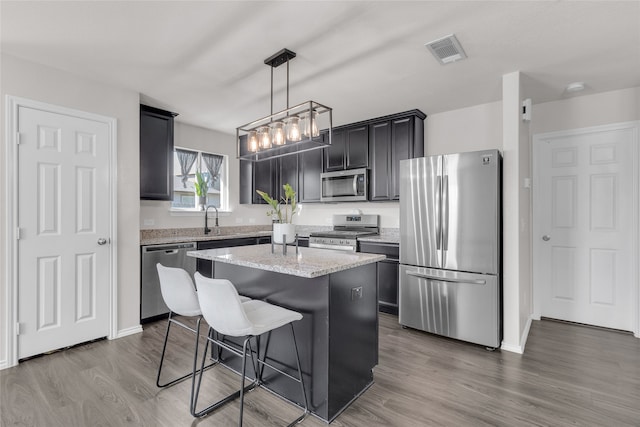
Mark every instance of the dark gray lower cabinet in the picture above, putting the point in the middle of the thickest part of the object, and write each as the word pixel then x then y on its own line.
pixel 387 275
pixel 303 242
pixel 204 266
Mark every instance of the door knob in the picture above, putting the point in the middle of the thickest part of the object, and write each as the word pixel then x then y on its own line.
pixel 546 237
pixel 102 241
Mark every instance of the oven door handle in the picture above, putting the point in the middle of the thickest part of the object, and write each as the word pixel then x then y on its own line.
pixel 355 185
pixel 348 248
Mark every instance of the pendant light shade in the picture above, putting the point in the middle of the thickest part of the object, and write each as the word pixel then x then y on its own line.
pixel 264 138
pixel 303 127
pixel 293 129
pixel 311 125
pixel 252 141
pixel 277 133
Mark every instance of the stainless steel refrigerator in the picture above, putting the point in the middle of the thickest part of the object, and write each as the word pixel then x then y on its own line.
pixel 450 246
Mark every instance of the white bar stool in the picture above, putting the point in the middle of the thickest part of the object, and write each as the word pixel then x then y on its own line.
pixel 226 314
pixel 179 293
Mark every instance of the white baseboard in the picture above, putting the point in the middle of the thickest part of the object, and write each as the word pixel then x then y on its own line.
pixel 4 365
pixel 129 331
pixel 512 348
pixel 523 340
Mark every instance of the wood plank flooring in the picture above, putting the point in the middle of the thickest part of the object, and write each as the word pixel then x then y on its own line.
pixel 569 376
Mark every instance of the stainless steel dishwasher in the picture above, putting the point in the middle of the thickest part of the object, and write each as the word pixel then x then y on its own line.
pixel 152 305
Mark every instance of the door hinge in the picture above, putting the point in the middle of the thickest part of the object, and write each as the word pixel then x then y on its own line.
pixel 18 328
pixel 18 234
pixel 17 138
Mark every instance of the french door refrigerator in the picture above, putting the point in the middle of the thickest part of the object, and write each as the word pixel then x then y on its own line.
pixel 450 251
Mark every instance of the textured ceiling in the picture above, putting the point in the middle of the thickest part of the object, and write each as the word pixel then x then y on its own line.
pixel 204 59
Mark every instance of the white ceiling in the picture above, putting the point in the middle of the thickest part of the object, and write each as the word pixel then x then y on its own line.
pixel 204 59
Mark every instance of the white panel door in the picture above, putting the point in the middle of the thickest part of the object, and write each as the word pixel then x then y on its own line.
pixel 63 213
pixel 584 226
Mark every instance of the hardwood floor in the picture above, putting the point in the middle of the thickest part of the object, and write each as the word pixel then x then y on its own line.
pixel 569 375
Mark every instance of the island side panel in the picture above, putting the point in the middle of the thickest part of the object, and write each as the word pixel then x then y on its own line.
pixel 307 296
pixel 353 334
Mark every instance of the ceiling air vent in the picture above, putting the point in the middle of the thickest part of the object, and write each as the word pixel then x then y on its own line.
pixel 446 49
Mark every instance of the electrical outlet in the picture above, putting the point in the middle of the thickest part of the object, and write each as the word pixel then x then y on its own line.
pixel 239 220
pixel 356 293
pixel 252 220
pixel 148 222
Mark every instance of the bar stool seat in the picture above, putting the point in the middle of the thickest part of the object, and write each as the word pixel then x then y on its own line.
pixel 226 314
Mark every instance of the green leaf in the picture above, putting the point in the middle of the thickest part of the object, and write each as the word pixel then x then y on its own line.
pixel 281 208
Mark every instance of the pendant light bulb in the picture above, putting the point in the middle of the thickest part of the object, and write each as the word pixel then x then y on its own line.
pixel 252 141
pixel 264 137
pixel 278 133
pixel 293 129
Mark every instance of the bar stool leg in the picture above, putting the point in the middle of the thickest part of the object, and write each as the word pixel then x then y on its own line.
pixel 232 396
pixel 244 368
pixel 164 349
pixel 196 331
pixel 304 392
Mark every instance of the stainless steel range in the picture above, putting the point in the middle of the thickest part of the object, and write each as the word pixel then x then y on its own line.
pixel 346 230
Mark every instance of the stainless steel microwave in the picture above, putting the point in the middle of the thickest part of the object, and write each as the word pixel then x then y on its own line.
pixel 344 186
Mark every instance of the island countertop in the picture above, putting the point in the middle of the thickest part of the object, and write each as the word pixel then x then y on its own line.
pixel 309 262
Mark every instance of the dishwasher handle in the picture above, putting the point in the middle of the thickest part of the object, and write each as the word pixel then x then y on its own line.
pixel 169 249
pixel 445 279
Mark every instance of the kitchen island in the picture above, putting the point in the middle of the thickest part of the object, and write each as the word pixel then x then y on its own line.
pixel 336 293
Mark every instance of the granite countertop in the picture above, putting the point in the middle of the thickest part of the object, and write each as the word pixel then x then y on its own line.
pixel 387 235
pixel 308 263
pixel 163 240
pixel 181 235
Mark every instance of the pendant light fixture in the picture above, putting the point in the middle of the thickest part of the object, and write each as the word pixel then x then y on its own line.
pixel 304 127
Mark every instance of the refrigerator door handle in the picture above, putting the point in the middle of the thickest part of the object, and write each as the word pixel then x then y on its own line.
pixel 438 212
pixel 445 213
pixel 445 279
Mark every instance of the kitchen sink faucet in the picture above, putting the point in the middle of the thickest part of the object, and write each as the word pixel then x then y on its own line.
pixel 206 226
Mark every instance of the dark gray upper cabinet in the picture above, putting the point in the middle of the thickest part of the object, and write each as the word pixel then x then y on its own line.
pixel 349 148
pixel 334 154
pixel 379 144
pixel 156 153
pixel 265 175
pixel 288 173
pixel 391 140
pixel 309 170
pixel 268 176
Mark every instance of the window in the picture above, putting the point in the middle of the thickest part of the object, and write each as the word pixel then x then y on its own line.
pixel 213 167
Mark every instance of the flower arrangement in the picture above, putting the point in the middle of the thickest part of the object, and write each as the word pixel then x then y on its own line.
pixel 281 208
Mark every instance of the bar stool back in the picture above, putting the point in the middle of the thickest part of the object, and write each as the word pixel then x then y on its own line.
pixel 179 294
pixel 224 312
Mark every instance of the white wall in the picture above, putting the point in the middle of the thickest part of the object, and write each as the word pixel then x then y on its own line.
pixel 29 80
pixel 589 110
pixel 467 129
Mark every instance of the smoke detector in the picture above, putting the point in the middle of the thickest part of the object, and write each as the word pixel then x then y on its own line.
pixel 446 49
pixel 575 87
